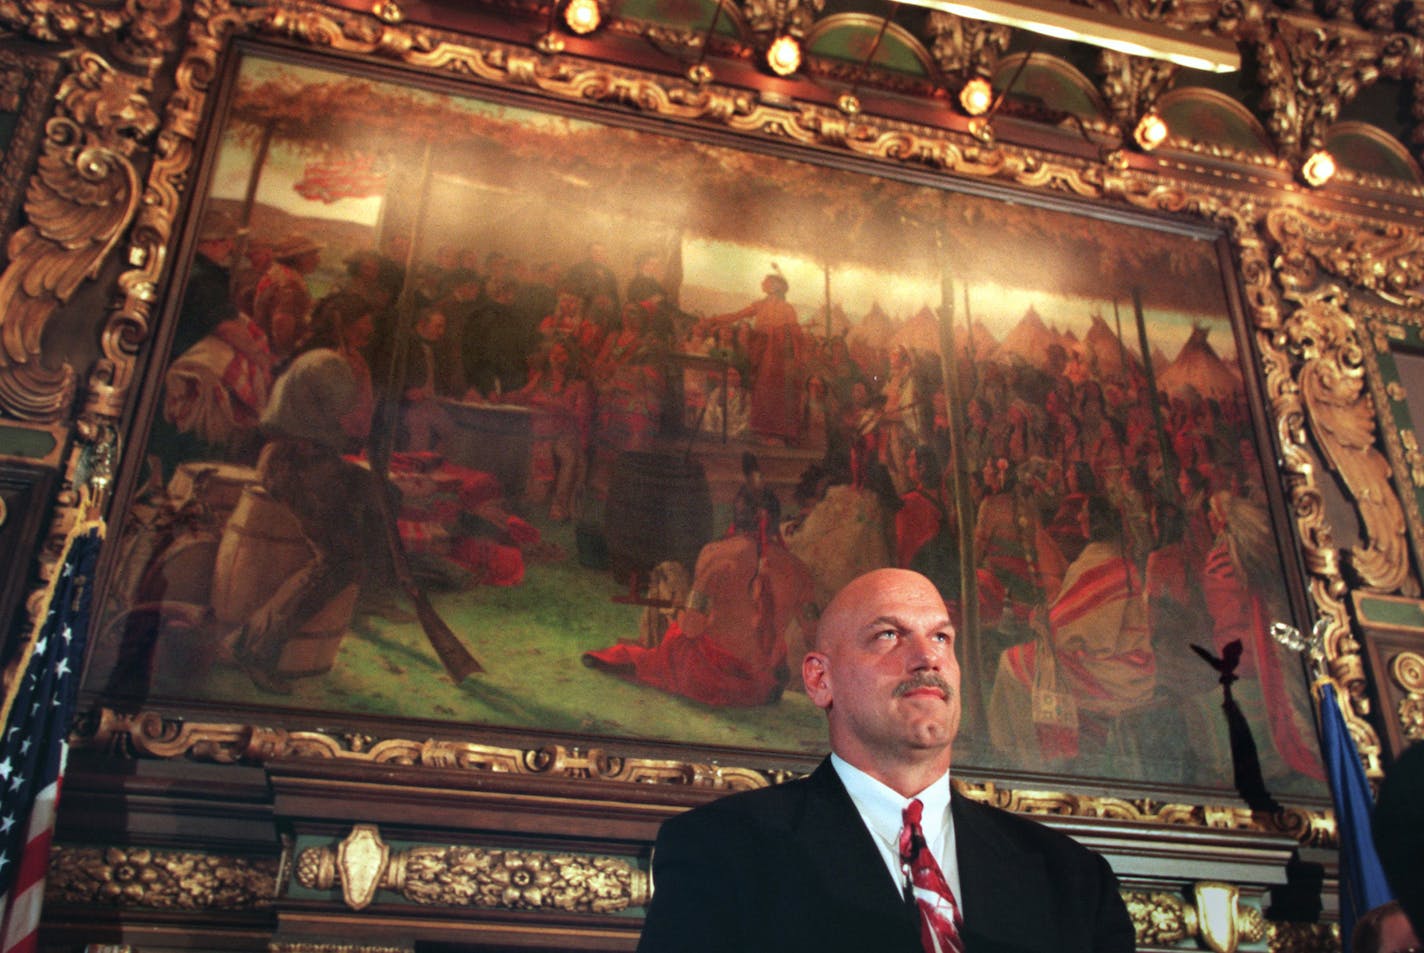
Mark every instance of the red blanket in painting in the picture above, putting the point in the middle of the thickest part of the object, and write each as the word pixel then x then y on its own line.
pixel 728 645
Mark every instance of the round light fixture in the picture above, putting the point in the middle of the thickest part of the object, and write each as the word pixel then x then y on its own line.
pixel 1318 168
pixel 976 96
pixel 1151 132
pixel 583 16
pixel 783 57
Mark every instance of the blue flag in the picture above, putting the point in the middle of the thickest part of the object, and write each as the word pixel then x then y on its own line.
pixel 1362 882
pixel 32 749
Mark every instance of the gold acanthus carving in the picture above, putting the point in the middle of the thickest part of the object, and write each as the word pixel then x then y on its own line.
pixel 159 879
pixel 1407 671
pixel 1308 69
pixel 79 202
pixel 1303 937
pixel 1160 919
pixel 456 876
pixel 152 735
pixel 966 48
pixel 60 22
pixel 1322 337
pixel 1131 85
pixel 1342 419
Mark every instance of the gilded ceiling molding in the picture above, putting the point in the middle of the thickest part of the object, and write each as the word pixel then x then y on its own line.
pixel 153 735
pixel 1407 672
pixel 461 876
pixel 159 879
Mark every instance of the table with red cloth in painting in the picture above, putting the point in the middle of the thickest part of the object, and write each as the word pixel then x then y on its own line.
pixel 435 493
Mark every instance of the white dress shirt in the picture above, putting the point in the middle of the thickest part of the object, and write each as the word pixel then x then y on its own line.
pixel 882 809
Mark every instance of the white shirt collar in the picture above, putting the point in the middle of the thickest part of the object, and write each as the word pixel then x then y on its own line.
pixel 882 809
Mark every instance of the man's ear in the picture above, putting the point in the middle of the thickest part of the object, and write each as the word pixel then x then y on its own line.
pixel 816 674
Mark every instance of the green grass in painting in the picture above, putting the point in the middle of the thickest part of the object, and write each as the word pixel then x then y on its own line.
pixel 530 639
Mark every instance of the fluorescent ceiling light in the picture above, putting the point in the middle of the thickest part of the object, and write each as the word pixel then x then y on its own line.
pixel 1110 31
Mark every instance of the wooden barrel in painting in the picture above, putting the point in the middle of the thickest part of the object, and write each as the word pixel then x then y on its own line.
pixel 659 508
pixel 261 548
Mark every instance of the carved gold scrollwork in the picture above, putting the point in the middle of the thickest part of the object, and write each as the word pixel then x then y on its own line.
pixel 159 879
pixel 473 876
pixel 79 202
pixel 1132 84
pixel 1303 937
pixel 962 47
pixel 1160 919
pixel 1308 70
pixel 1341 413
pixel 781 16
pixel 1407 671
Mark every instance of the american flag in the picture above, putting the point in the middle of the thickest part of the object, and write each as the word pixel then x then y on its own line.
pixel 33 749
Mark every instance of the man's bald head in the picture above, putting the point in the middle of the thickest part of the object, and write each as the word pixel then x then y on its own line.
pixel 884 671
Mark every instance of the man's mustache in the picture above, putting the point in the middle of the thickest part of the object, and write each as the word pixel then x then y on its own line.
pixel 925 680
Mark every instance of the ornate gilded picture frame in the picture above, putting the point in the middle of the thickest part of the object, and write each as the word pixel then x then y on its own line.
pixel 481 409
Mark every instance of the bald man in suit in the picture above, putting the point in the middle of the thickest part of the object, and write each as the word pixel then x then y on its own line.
pixel 816 864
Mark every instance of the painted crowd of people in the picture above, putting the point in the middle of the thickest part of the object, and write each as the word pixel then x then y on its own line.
pixel 1118 512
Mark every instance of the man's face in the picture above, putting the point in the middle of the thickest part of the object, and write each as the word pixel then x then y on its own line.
pixel 885 672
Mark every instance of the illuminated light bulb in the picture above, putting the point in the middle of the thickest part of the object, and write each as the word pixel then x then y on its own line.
pixel 1151 132
pixel 977 96
pixel 1318 168
pixel 784 55
pixel 583 16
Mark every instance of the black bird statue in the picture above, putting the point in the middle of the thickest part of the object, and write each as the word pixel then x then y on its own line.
pixel 1245 762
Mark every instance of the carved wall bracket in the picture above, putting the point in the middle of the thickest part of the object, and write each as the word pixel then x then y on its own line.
pixel 473 876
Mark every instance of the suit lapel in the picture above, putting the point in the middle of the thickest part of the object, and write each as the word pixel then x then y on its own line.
pixel 847 862
pixel 1000 883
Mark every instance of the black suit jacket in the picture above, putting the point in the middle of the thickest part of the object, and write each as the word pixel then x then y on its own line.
pixel 793 868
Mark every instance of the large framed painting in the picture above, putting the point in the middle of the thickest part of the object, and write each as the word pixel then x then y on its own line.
pixel 488 413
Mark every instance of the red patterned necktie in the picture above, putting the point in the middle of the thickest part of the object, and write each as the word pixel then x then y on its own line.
pixel 940 921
